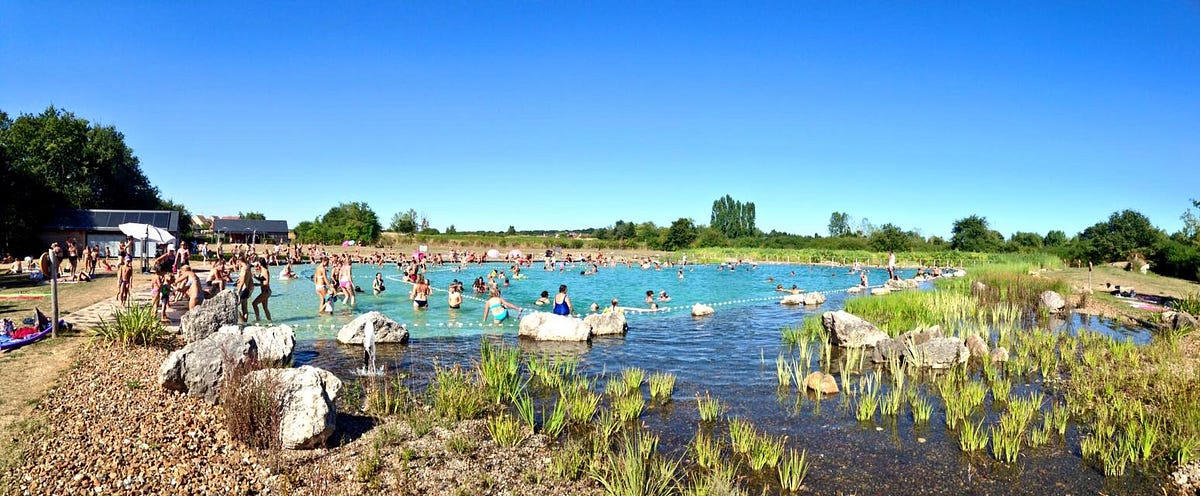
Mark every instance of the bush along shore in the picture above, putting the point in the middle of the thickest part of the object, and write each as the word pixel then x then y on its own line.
pixel 979 349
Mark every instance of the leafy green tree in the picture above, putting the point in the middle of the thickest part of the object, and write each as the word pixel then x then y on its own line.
pixel 252 216
pixel 839 224
pixel 451 230
pixel 186 229
pixel 512 231
pixel 624 230
pixel 1124 233
pixel 972 234
pixel 733 218
pixel 710 237
pixel 405 222
pixel 680 235
pixel 351 221
pixel 888 237
pixel 1055 239
pixel 649 234
pixel 1191 223
pixel 1026 241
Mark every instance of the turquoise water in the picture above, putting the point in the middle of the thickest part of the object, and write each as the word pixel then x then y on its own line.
pixel 294 302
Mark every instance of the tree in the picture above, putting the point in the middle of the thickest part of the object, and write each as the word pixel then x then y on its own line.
pixel 251 216
pixel 1055 239
pixel 185 217
pixel 1191 223
pixel 405 222
pixel 680 235
pixel 350 221
pixel 889 238
pixel 1026 241
pixel 451 230
pixel 624 230
pixel 733 218
pixel 709 237
pixel 839 224
pixel 1125 233
pixel 512 231
pixel 972 234
pixel 56 160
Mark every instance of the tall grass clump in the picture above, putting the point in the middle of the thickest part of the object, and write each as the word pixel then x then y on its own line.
pixel 742 436
pixel 705 449
pixel 499 368
pixel 661 386
pixel 766 451
pixel 793 469
pixel 251 404
pixel 505 430
pixel 455 396
pixel 135 324
pixel 388 396
pixel 710 408
pixel 637 469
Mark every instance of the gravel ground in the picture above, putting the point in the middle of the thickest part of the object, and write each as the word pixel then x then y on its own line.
pixel 107 427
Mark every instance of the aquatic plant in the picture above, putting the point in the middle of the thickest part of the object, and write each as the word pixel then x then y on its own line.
pixel 554 423
pixel 632 379
pixel 794 336
pixel 581 405
pixel 973 437
pixel 710 408
pixel 721 480
pixel 705 449
pixel 455 396
pixel 387 396
pixel 793 469
pixel 1001 390
pixel 741 435
pixel 629 407
pixel 505 430
pixel 783 371
pixel 765 451
pixel 921 410
pixel 891 403
pixel 661 386
pixel 636 469
pixel 498 369
pixel 567 462
pixel 523 403
pixel 867 404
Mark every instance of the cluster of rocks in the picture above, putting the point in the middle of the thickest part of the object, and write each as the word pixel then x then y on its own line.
pixel 926 347
pixel 545 326
pixel 386 329
pixel 217 346
pixel 807 299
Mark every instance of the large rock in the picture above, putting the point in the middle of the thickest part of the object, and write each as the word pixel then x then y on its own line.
pixel 977 346
pixel 275 344
pixel 888 349
pixel 854 290
pixel 938 353
pixel 198 368
pixel 309 400
pixel 701 310
pixel 821 382
pixel 545 326
pixel 999 354
pixel 608 323
pixel 1051 301
pixel 903 283
pixel 792 300
pixel 814 298
pixel 386 330
pixel 847 329
pixel 1175 321
pixel 880 291
pixel 216 312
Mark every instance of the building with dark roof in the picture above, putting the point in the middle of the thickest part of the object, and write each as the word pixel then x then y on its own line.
pixel 251 231
pixel 99 227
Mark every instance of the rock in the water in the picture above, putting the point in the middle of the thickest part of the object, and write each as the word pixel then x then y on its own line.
pixel 894 348
pixel 198 368
pixel 309 397
pixel 814 298
pixel 880 291
pixel 386 329
pixel 274 344
pixel 220 310
pixel 999 354
pixel 938 353
pixel 902 283
pixel 608 323
pixel 1051 301
pixel 701 310
pixel 854 290
pixel 545 326
pixel 977 346
pixel 847 329
pixel 792 299
pixel 821 383
pixel 978 288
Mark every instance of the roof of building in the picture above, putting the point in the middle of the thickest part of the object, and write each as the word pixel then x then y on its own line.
pixel 108 220
pixel 238 225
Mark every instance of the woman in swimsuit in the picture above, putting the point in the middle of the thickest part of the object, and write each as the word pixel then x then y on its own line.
pixel 377 284
pixel 264 284
pixel 562 302
pixel 497 308
pixel 420 294
pixel 245 286
pixel 321 281
pixel 346 281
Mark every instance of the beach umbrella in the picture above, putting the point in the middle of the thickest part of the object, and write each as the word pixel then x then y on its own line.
pixel 493 253
pixel 514 254
pixel 345 243
pixel 146 232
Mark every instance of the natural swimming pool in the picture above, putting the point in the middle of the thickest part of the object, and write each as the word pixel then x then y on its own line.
pixel 730 354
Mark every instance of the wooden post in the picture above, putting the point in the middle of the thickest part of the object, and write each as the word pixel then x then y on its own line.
pixel 53 294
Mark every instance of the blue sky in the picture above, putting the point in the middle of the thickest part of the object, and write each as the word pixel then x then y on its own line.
pixel 541 115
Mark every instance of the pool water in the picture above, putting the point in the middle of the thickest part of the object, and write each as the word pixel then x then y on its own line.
pixel 730 354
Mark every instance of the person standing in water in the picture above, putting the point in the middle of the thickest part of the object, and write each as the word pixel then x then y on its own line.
pixel 264 283
pixel 497 307
pixel 321 281
pixel 562 302
pixel 455 298
pixel 420 294
pixel 245 287
pixel 377 285
pixel 346 281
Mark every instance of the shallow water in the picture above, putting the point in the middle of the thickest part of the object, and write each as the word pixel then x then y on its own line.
pixel 732 355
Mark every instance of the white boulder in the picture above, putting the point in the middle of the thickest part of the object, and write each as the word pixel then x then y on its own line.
pixel 545 326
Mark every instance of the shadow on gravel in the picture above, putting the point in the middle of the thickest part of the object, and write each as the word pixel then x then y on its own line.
pixel 350 427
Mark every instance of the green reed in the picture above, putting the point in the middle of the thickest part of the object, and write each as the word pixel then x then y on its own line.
pixel 922 409
pixel 661 386
pixel 766 451
pixel 793 469
pixel 741 435
pixel 554 423
pixel 710 408
pixel 705 449
pixel 506 431
pixel 973 437
pixel 629 407
pixel 636 469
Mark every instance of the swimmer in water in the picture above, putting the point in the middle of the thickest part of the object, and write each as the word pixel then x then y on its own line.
pixel 650 300
pixel 544 299
pixel 497 307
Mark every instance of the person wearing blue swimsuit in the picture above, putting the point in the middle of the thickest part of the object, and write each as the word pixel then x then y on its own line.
pixel 497 308
pixel 562 302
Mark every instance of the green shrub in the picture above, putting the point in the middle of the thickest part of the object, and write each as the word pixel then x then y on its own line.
pixel 135 324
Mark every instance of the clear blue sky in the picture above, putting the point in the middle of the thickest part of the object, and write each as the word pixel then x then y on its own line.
pixel 1036 115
